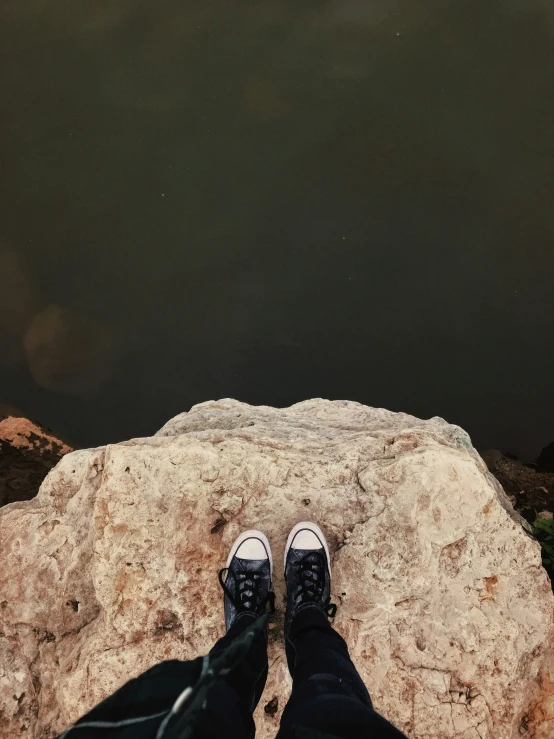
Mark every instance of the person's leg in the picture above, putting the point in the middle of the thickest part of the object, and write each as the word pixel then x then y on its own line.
pixel 246 582
pixel 209 697
pixel 248 678
pixel 328 696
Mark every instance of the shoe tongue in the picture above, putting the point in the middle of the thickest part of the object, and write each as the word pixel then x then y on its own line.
pixel 313 564
pixel 248 587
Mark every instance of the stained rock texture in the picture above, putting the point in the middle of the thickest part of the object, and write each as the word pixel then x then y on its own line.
pixel 27 453
pixel 441 593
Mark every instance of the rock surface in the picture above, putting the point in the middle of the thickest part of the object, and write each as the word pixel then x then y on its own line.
pixel 441 593
pixel 27 453
pixel 529 487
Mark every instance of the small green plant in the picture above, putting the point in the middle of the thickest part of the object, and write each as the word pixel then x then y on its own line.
pixel 543 529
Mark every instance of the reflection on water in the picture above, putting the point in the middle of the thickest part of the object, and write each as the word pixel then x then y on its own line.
pixel 67 352
pixel 278 201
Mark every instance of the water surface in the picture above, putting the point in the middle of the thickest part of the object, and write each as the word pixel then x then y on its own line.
pixel 276 201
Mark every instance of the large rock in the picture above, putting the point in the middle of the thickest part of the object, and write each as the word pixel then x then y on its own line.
pixel 441 593
pixel 529 487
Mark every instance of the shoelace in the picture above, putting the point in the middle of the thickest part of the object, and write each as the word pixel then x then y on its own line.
pixel 311 569
pixel 247 592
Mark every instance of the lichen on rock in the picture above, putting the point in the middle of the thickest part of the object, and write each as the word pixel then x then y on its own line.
pixel 442 598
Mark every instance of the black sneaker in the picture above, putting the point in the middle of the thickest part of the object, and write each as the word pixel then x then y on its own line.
pixel 307 572
pixel 246 579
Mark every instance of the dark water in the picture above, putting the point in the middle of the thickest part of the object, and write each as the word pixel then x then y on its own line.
pixel 276 201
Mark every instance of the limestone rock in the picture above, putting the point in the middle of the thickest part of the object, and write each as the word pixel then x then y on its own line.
pixel 530 488
pixel 441 593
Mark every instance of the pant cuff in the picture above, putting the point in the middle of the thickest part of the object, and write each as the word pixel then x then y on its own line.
pixel 308 616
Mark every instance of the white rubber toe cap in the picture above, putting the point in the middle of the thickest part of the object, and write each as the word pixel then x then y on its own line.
pixel 306 539
pixel 251 549
pixel 307 535
pixel 251 545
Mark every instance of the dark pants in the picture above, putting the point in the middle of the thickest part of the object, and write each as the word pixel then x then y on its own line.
pixel 328 696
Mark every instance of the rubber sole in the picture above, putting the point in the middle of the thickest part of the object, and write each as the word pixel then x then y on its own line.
pixel 317 531
pixel 251 534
